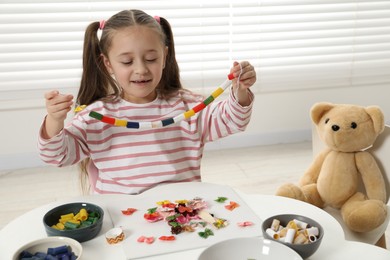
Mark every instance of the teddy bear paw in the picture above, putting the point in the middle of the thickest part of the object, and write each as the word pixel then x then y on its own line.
pixel 364 216
pixel 290 191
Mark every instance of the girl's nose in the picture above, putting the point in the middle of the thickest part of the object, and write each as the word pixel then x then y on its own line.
pixel 141 68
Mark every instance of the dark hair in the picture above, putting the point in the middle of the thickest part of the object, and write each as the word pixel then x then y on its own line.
pixel 96 83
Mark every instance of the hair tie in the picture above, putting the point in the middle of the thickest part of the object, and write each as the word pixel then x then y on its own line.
pixel 102 24
pixel 157 18
pixel 99 32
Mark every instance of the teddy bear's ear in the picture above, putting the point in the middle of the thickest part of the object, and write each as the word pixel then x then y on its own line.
pixel 318 110
pixel 377 117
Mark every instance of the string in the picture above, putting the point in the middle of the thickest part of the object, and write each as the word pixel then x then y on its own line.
pixel 238 84
pixel 164 122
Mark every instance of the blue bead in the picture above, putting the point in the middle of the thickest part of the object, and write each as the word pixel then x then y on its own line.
pixel 168 121
pixel 132 125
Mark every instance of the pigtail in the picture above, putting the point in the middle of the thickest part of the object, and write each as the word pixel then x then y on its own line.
pixel 95 83
pixel 171 77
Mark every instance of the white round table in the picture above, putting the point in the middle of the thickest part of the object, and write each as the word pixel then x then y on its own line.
pixel 28 227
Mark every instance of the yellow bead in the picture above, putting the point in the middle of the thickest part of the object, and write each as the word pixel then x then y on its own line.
pixel 119 122
pixel 189 113
pixel 79 108
pixel 217 92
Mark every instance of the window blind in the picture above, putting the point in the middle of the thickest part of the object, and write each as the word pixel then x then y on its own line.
pixel 293 44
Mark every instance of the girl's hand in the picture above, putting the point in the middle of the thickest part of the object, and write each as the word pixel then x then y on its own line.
pixel 57 106
pixel 248 74
pixel 247 79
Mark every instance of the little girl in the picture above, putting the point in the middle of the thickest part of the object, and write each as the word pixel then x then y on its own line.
pixel 130 73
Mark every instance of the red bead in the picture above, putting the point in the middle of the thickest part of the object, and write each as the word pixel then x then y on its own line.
pixel 199 107
pixel 108 120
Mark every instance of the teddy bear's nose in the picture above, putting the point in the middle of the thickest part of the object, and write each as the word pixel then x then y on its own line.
pixel 335 128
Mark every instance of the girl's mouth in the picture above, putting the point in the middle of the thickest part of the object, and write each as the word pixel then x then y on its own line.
pixel 141 81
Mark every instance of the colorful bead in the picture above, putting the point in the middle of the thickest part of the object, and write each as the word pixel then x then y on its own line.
pixel 217 92
pixel 208 100
pixel 108 120
pixel 168 121
pixel 199 107
pixel 79 108
pixel 96 115
pixel 120 122
pixel 132 125
pixel 189 113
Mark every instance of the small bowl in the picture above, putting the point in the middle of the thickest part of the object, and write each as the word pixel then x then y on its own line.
pixel 304 250
pixel 81 234
pixel 41 245
pixel 248 248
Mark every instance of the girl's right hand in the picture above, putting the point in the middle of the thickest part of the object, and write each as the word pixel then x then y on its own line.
pixel 57 106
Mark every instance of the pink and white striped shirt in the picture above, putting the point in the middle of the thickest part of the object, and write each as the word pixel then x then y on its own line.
pixel 130 161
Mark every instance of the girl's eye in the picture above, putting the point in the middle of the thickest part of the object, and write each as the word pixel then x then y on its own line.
pixel 127 62
pixel 151 60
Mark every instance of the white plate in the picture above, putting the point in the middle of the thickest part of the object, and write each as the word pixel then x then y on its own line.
pixel 254 248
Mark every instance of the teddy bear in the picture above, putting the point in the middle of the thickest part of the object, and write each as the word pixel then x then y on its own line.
pixel 333 177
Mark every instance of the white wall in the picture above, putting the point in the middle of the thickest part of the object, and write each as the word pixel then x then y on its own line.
pixel 280 117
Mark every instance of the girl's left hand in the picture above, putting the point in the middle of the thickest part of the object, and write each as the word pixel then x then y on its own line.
pixel 247 79
pixel 248 74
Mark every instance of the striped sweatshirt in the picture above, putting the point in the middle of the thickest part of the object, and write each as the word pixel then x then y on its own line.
pixel 130 161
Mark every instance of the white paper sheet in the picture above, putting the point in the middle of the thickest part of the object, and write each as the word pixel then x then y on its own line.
pixel 135 225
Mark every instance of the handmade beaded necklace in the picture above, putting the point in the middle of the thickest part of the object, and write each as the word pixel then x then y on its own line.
pixel 168 121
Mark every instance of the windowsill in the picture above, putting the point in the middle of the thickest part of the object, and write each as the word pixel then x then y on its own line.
pixel 22 104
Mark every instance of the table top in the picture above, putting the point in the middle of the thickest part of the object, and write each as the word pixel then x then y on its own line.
pixel 28 227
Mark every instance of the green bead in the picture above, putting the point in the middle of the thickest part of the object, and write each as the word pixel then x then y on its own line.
pixel 96 115
pixel 208 100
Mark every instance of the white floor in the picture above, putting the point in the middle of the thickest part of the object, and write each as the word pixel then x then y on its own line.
pixel 259 169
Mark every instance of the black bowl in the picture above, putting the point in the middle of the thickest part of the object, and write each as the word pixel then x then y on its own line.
pixel 304 250
pixel 80 234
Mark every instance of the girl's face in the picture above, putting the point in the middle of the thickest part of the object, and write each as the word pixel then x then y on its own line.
pixel 136 59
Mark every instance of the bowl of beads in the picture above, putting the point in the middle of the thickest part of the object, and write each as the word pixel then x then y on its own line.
pixel 300 233
pixel 50 248
pixel 80 221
